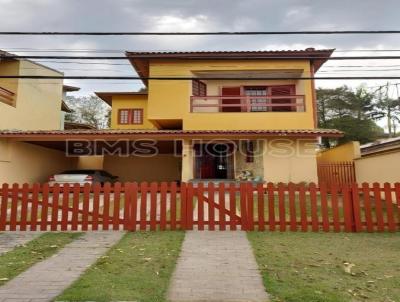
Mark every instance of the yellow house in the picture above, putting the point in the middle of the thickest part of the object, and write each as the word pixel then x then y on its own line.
pixel 220 116
pixel 237 115
pixel 27 105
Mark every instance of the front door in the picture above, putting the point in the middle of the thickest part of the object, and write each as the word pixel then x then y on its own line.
pixel 214 161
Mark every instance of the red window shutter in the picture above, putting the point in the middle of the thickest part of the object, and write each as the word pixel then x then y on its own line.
pixel 249 152
pixel 282 91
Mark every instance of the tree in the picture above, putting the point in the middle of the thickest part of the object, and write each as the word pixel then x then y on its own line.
pixel 88 110
pixel 388 108
pixel 352 111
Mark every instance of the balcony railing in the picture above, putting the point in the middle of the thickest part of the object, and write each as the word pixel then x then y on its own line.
pixel 244 103
pixel 6 96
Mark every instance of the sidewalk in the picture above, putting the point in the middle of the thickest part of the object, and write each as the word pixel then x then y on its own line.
pixel 47 279
pixel 216 266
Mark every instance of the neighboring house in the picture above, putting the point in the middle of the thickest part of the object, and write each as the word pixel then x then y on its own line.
pixel 30 104
pixel 224 120
pixel 379 161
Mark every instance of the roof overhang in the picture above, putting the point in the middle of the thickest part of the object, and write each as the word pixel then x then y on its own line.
pixel 112 135
pixel 141 60
pixel 107 96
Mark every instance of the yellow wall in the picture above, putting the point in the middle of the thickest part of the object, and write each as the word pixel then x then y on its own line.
pixel 164 167
pixel 171 99
pixel 38 102
pixel 23 162
pixel 384 167
pixel 345 152
pixel 90 162
pixel 129 102
pixel 290 160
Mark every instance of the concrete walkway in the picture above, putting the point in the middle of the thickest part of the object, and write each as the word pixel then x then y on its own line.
pixel 47 279
pixel 216 266
pixel 10 240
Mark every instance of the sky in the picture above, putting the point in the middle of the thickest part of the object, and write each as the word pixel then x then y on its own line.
pixel 204 15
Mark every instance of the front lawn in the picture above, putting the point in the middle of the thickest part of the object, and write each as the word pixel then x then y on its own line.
pixel 23 257
pixel 138 268
pixel 329 267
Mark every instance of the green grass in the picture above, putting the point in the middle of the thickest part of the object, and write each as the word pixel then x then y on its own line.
pixel 22 257
pixel 309 267
pixel 138 268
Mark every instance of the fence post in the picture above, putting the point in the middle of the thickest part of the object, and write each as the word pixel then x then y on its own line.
pixel 183 206
pixel 355 207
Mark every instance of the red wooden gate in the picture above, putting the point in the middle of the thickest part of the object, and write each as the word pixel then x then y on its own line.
pixel 336 172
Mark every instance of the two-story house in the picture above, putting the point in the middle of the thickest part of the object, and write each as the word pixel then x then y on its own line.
pixel 206 116
pixel 30 105
pixel 238 115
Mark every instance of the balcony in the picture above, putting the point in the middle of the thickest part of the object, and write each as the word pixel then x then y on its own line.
pixel 6 96
pixel 246 103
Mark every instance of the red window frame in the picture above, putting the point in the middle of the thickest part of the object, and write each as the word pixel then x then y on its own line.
pixel 132 116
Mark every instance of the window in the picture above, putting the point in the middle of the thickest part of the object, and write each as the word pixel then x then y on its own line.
pixel 123 116
pixel 130 116
pixel 199 88
pixel 257 104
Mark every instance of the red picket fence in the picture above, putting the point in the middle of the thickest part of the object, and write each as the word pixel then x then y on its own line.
pixel 165 206
pixel 337 173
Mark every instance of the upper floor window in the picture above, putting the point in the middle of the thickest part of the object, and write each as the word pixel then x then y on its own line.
pixel 7 97
pixel 199 88
pixel 130 116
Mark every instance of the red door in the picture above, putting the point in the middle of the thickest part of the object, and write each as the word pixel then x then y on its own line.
pixel 231 91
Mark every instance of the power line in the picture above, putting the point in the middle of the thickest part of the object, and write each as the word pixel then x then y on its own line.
pixel 195 78
pixel 194 57
pixel 211 33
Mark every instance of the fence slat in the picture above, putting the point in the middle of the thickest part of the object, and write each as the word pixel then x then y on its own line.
pixel 65 207
pixel 24 206
pixel 367 207
pixel 389 207
pixel 250 206
pixel 133 206
pixel 96 206
pixel 271 206
pixel 189 207
pixel 153 206
pixel 54 207
pixel 324 207
pixel 163 205
pixel 243 207
pixel 282 212
pixel 335 207
pixel 200 206
pixel 356 208
pixel 347 209
pixel 126 188
pixel 183 213
pixel 397 193
pixel 34 207
pixel 4 206
pixel 232 207
pixel 314 209
pixel 143 206
pixel 85 206
pixel 106 206
pixel 378 207
pixel 173 205
pixel 292 207
pixel 222 206
pixel 45 207
pixel 303 208
pixel 14 207
pixel 75 207
pixel 116 206
pixel 260 207
pixel 211 200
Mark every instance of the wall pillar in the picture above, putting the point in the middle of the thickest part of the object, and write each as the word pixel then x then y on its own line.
pixel 187 160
